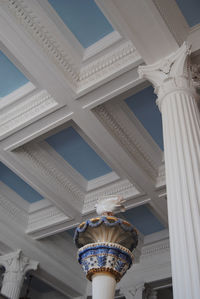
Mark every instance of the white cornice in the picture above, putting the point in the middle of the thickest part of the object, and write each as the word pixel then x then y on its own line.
pixel 27 111
pixel 160 182
pixel 27 17
pixel 13 211
pixel 131 142
pixel 102 181
pixel 102 44
pixel 16 95
pixel 154 249
pixel 123 57
pixel 36 158
pixel 120 58
pixel 45 218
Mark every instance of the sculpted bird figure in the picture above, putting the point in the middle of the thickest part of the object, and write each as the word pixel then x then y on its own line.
pixel 109 205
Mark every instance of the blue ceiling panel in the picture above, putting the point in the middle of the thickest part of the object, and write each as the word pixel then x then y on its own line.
pixel 191 11
pixel 10 77
pixel 143 105
pixel 14 182
pixel 142 218
pixel 72 147
pixel 84 19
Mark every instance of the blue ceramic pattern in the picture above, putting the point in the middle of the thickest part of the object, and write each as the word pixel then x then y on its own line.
pixel 113 259
pixel 104 249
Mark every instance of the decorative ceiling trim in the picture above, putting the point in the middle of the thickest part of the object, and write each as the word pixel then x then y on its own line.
pixel 120 57
pixel 40 33
pixel 150 250
pixel 45 218
pixel 26 112
pixel 110 64
pixel 130 144
pixel 13 211
pixel 36 158
pixel 161 181
pixel 16 95
pixel 107 41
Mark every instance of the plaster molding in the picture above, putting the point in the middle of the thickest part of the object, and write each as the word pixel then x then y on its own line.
pixel 161 181
pixel 122 56
pixel 16 95
pixel 18 263
pixel 26 16
pixel 13 211
pixel 123 188
pixel 107 41
pixel 37 159
pixel 63 165
pixel 133 292
pixel 102 181
pixel 45 218
pixel 129 141
pixel 173 73
pixel 154 249
pixel 16 266
pixel 110 64
pixel 26 112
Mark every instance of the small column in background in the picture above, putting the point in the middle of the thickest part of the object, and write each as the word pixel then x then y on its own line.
pixel 16 266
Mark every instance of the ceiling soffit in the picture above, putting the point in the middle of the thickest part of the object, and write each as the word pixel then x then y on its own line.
pixel 82 77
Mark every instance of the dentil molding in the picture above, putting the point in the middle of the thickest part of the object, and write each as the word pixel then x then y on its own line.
pixel 36 159
pixel 39 32
pixel 111 63
pixel 129 142
pixel 45 218
pixel 13 211
pixel 27 111
pixel 153 249
pixel 118 59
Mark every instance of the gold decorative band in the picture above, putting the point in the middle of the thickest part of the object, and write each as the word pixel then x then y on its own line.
pixel 106 270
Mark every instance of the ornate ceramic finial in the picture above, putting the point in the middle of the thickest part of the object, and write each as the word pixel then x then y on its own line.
pixel 110 204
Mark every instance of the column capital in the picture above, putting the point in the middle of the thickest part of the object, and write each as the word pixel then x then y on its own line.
pixel 172 73
pixel 17 263
pixel 133 292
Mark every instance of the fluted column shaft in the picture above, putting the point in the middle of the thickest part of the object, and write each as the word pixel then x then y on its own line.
pixel 181 131
pixel 16 265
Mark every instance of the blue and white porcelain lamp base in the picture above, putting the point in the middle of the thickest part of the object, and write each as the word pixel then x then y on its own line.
pixel 105 244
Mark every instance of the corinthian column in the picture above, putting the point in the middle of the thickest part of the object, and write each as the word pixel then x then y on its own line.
pixel 177 100
pixel 133 293
pixel 16 265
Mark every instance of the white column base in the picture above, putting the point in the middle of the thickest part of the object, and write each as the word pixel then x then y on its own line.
pixel 103 286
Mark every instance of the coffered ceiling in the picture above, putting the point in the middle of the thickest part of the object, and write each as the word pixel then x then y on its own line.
pixel 77 123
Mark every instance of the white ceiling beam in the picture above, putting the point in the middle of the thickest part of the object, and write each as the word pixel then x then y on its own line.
pixel 113 153
pixel 154 34
pixel 61 197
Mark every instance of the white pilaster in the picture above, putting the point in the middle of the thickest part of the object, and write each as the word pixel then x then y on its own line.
pixel 16 265
pixel 177 101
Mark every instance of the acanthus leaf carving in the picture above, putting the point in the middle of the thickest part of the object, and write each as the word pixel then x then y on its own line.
pixel 171 74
